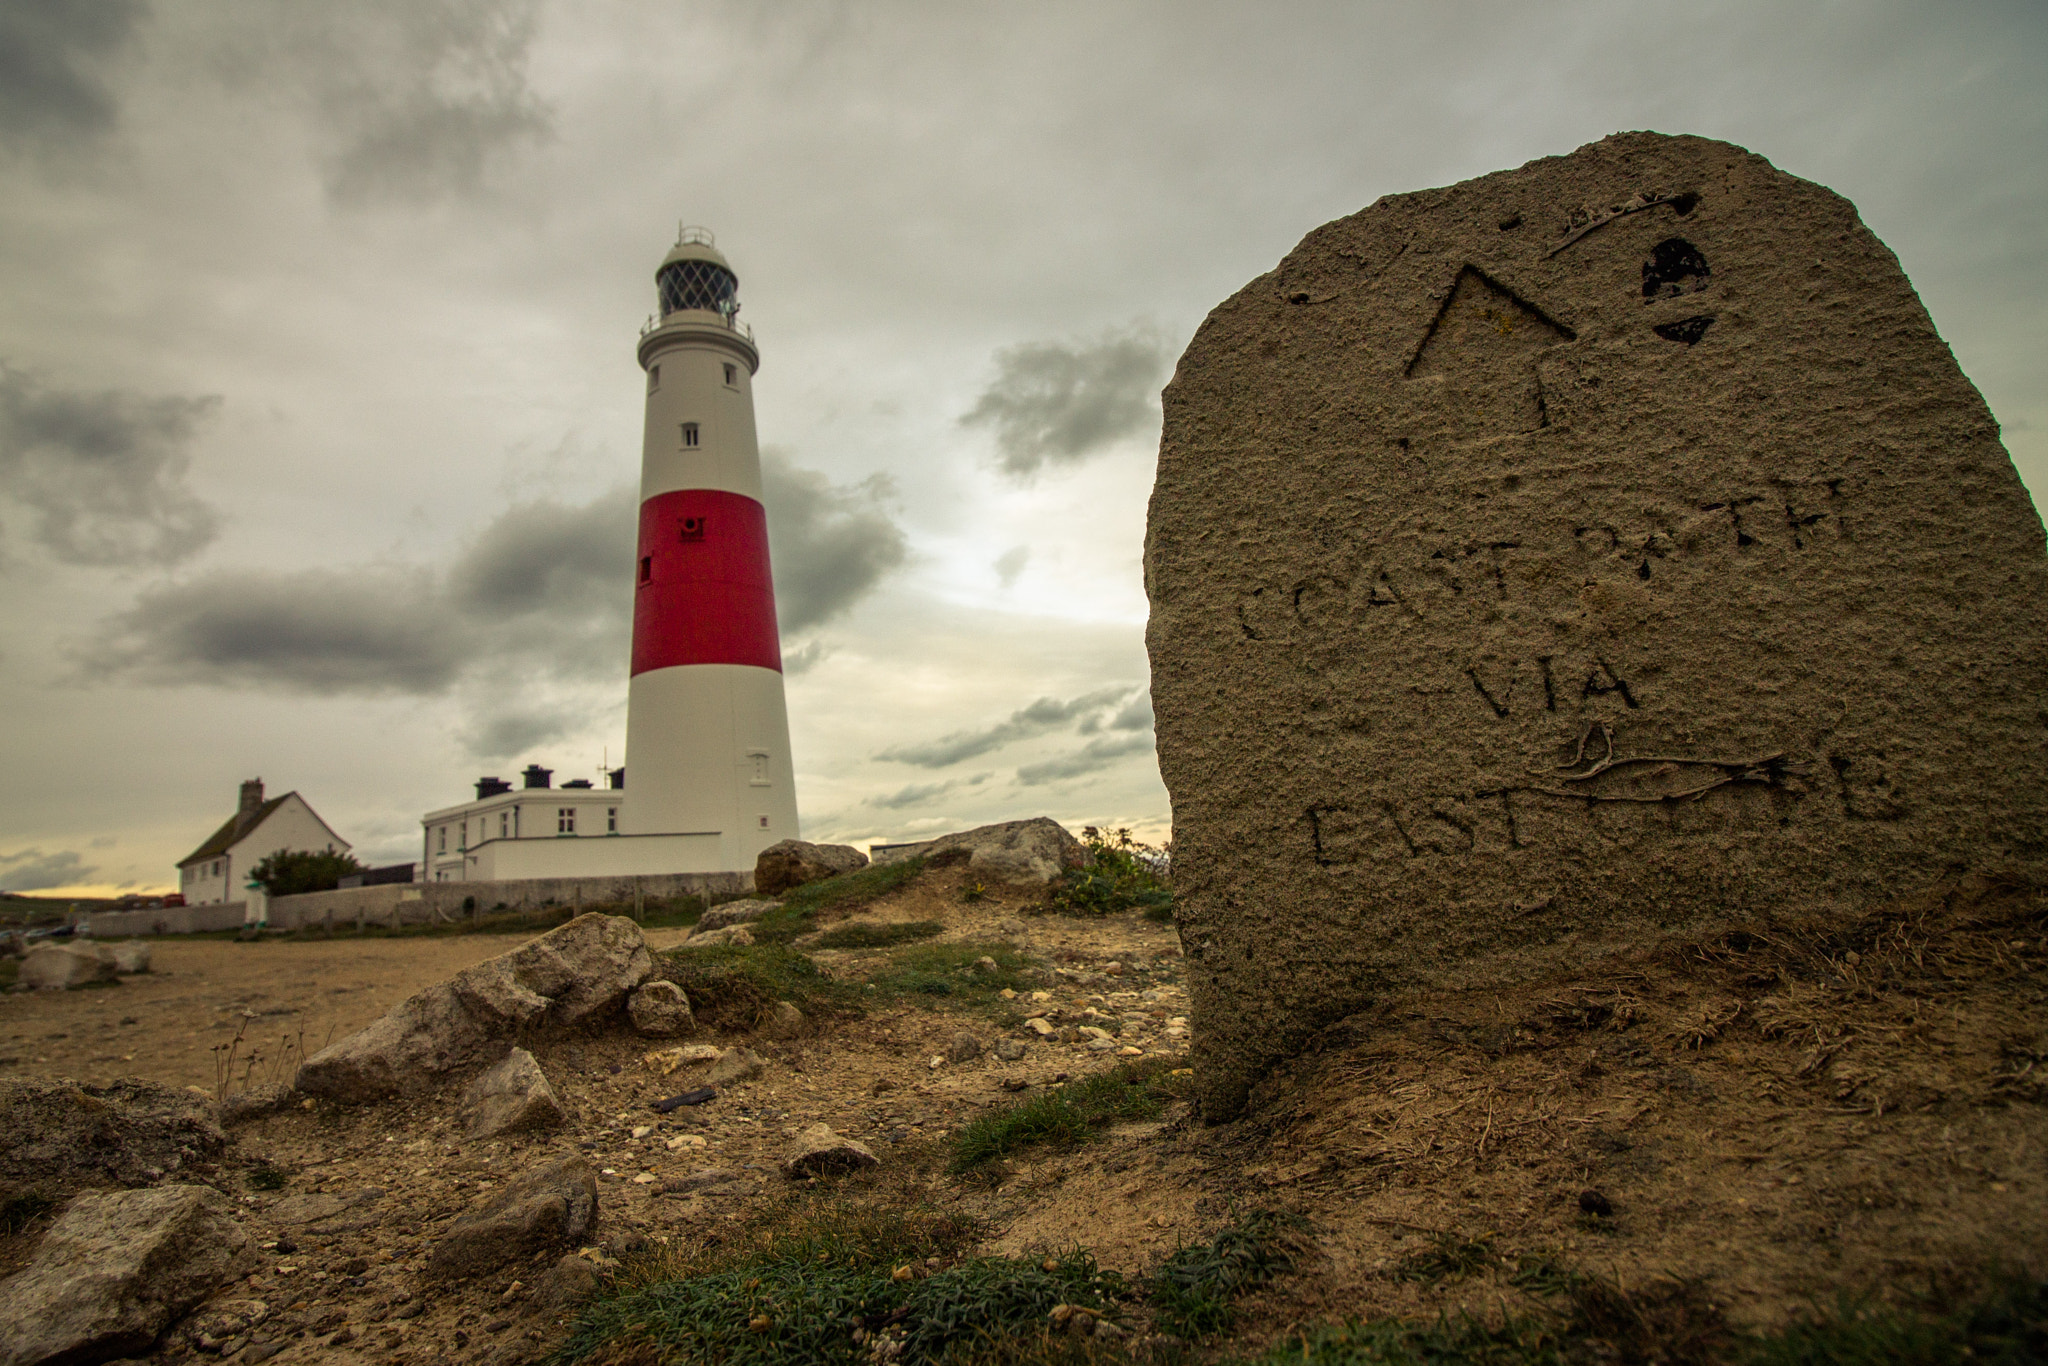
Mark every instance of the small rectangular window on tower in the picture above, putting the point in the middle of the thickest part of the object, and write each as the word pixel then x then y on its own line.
pixel 732 376
pixel 653 378
pixel 647 569
pixel 689 436
pixel 757 765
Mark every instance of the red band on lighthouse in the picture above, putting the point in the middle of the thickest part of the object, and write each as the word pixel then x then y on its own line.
pixel 704 593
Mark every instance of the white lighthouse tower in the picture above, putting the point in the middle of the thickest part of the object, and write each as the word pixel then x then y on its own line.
pixel 707 730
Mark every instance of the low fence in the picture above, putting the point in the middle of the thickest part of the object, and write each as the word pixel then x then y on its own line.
pixel 220 915
pixel 424 903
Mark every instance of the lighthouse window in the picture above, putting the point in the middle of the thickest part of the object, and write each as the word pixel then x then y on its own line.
pixel 653 378
pixel 732 376
pixel 565 820
pixel 757 760
pixel 647 569
pixel 689 435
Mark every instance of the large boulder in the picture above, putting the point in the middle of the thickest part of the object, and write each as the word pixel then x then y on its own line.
pixel 59 967
pixel 1588 555
pixel 733 913
pixel 546 1207
pixel 580 972
pixel 58 1135
pixel 115 1270
pixel 512 1097
pixel 1033 851
pixel 792 863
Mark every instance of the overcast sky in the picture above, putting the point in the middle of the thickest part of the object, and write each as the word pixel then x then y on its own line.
pixel 319 418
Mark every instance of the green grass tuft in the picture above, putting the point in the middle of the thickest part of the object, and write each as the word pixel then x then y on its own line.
pixel 2007 1326
pixel 1447 1258
pixel 798 913
pixel 1194 1291
pixel 732 986
pixel 930 973
pixel 865 936
pixel 1400 1342
pixel 819 1287
pixel 1062 1117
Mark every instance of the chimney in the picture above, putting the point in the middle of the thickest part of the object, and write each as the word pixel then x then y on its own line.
pixel 491 787
pixel 536 776
pixel 616 779
pixel 252 796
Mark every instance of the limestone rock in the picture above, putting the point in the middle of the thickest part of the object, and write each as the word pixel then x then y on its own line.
pixel 660 1010
pixel 130 956
pixel 792 863
pixel 820 1152
pixel 547 1206
pixel 731 934
pixel 59 967
pixel 734 1065
pixel 1576 557
pixel 782 1021
pixel 565 1285
pixel 115 1270
pixel 243 1106
pixel 964 1047
pixel 578 972
pixel 1033 851
pixel 128 1133
pixel 512 1097
pixel 733 913
pixel 666 1060
pixel 1010 1050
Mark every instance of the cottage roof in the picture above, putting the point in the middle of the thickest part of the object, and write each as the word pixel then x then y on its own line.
pixel 240 824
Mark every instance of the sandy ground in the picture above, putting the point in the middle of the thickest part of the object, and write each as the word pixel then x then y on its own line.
pixel 164 1025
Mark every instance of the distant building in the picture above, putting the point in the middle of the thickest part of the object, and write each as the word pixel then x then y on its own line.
pixel 508 833
pixel 218 870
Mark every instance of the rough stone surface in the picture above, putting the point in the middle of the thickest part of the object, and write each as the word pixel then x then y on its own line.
pixel 58 1134
pixel 818 1151
pixel 115 1270
pixel 512 1097
pixel 579 972
pixel 546 1207
pixel 731 934
pixel 1010 1050
pixel 1581 555
pixel 243 1106
pixel 59 967
pixel 964 1047
pixel 1033 851
pixel 782 1021
pixel 734 913
pixel 128 957
pixel 660 1010
pixel 734 1064
pixel 792 863
pixel 565 1285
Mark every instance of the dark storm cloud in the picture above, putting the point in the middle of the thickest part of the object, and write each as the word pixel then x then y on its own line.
pixel 317 631
pixel 1052 402
pixel 33 870
pixel 911 795
pixel 434 93
pixel 1095 755
pixel 541 592
pixel 50 50
pixel 1047 713
pixel 102 474
pixel 831 544
pixel 518 733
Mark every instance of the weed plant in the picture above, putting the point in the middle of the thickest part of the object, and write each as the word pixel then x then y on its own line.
pixel 1123 874
pixel 1194 1292
pixel 732 986
pixel 860 936
pixel 825 1285
pixel 1061 1117
pixel 1448 1257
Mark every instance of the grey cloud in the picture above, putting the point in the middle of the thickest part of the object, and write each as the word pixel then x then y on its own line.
pixel 50 88
pixel 516 733
pixel 1010 564
pixel 1047 713
pixel 830 544
pixel 315 631
pixel 428 94
pixel 1135 714
pixel 1096 754
pixel 33 870
pixel 102 474
pixel 804 660
pixel 1054 402
pixel 912 795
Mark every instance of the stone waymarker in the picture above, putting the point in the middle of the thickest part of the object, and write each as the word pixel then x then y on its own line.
pixel 1591 552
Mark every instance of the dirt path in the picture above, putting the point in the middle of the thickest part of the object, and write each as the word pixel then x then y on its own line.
pixel 163 1025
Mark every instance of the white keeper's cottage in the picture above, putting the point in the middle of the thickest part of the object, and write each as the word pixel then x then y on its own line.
pixel 217 870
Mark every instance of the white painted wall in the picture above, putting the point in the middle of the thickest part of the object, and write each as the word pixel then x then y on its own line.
pixel 293 825
pixel 455 836
pixel 713 742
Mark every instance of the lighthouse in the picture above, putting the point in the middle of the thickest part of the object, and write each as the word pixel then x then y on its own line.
pixel 707 730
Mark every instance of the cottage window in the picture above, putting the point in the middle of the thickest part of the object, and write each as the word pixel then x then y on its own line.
pixel 504 824
pixel 441 839
pixel 611 820
pixel 565 820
